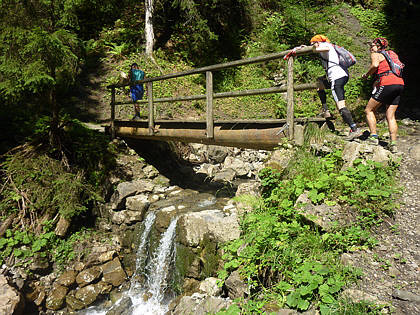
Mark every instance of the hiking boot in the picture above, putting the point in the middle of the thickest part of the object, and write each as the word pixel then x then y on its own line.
pixel 392 147
pixel 372 140
pixel 354 134
pixel 325 113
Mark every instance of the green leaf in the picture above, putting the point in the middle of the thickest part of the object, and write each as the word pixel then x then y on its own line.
pixel 328 298
pixel 293 299
pixel 303 304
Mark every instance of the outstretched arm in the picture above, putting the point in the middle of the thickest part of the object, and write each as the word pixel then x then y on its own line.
pixel 374 58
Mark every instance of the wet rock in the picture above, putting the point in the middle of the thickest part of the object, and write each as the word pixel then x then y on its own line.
pixel 209 286
pixel 88 276
pixel 56 297
pixel 236 287
pixel 67 278
pixel 122 308
pixel 11 301
pixel 164 217
pixel 199 304
pixel 193 227
pixel 138 203
pixel 88 294
pixel 113 272
pixel 73 303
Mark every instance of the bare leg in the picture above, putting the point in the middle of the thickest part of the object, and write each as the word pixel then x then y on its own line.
pixel 370 109
pixel 392 123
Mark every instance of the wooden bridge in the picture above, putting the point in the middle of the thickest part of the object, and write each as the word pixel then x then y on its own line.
pixel 257 134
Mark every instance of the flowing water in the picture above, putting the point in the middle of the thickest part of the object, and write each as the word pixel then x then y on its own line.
pixel 151 297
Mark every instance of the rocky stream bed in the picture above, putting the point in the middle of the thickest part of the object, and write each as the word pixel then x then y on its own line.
pixel 108 270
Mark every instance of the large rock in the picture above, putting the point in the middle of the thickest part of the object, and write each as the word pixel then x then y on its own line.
pixel 62 226
pixel 126 216
pixel 236 287
pixel 226 175
pixel 210 287
pixel 217 154
pixel 199 304
pixel 240 167
pixel 193 227
pixel 138 203
pixel 113 272
pixel 67 278
pixel 128 189
pixel 56 297
pixel 11 301
pixel 279 159
pixel 88 294
pixel 88 276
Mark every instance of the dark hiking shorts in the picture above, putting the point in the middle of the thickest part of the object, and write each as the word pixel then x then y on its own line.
pixel 336 86
pixel 388 94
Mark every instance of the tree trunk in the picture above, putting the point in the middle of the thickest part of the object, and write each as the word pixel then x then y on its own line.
pixel 148 28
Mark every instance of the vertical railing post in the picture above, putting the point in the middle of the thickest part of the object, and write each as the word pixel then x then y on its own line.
pixel 113 113
pixel 290 92
pixel 209 101
pixel 149 86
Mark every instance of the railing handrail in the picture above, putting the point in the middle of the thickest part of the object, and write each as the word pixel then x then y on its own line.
pixel 210 95
pixel 217 67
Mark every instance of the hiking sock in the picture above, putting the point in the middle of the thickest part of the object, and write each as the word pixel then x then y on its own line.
pixel 348 119
pixel 374 135
pixel 323 97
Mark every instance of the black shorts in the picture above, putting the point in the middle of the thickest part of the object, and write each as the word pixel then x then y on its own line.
pixel 388 94
pixel 336 86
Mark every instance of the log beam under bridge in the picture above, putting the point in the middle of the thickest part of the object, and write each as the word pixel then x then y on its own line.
pixel 251 134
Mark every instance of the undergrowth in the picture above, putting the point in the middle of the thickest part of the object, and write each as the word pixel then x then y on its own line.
pixel 287 260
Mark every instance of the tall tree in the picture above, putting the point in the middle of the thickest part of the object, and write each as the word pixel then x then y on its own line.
pixel 148 27
pixel 39 53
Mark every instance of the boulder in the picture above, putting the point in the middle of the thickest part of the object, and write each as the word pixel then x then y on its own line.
pixel 56 297
pixel 226 175
pixel 200 304
pixel 67 278
pixel 138 203
pixel 210 287
pixel 88 276
pixel 240 167
pixel 126 217
pixel 113 272
pixel 122 308
pixel 62 226
pixel 127 189
pixel 11 301
pixel 279 159
pixel 217 154
pixel 88 294
pixel 193 227
pixel 236 287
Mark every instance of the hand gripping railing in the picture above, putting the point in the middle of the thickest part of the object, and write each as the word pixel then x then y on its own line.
pixel 210 95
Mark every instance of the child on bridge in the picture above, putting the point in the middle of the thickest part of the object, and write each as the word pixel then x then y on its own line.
pixel 136 90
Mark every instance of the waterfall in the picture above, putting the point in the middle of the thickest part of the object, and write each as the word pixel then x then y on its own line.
pixel 149 298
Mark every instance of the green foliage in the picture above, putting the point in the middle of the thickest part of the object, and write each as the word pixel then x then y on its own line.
pixel 288 261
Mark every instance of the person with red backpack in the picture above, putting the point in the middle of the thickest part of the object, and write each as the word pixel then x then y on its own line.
pixel 387 68
pixel 336 77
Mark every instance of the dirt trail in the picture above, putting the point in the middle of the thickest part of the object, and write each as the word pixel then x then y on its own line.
pixel 391 270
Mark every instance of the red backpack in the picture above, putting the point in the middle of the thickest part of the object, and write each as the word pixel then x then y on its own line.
pixel 394 63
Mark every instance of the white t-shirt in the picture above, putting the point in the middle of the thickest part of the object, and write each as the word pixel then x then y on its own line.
pixel 329 61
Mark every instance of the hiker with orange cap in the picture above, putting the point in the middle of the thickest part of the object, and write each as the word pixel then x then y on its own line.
pixel 336 77
pixel 385 65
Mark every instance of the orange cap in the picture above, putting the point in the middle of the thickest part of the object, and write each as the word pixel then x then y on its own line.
pixel 320 38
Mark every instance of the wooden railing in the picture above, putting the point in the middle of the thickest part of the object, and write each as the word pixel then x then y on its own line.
pixel 210 95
